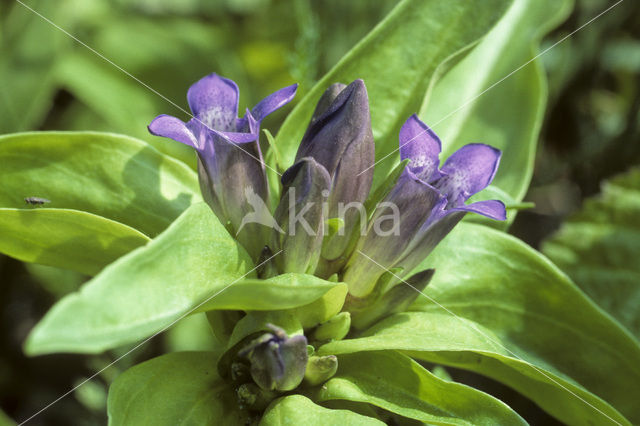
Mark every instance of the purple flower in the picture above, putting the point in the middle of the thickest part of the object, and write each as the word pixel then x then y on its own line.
pixel 424 205
pixel 230 165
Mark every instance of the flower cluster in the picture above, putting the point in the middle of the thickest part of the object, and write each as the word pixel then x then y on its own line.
pixel 327 187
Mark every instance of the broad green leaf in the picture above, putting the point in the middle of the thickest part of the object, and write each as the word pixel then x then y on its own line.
pixel 509 115
pixel 505 311
pixel 599 248
pixel 192 333
pixel 442 338
pixel 398 60
pixel 147 290
pixel 114 176
pixel 280 292
pixel 298 410
pixel 180 388
pixel 69 239
pixel 398 384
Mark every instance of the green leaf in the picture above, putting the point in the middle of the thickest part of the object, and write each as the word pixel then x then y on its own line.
pixel 56 281
pixel 146 290
pixel 68 239
pixel 299 410
pixel 599 248
pixel 178 388
pixel 29 47
pixel 398 384
pixel 509 115
pixel 322 309
pixel 280 292
pixel 192 333
pixel 108 91
pixel 398 60
pixel 114 176
pixel 6 420
pixel 123 103
pixel 519 320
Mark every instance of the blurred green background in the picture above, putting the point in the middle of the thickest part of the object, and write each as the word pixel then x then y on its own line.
pixel 48 81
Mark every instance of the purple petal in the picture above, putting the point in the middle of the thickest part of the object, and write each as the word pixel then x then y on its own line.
pixel 422 146
pixel 254 125
pixel 441 222
pixel 273 102
pixel 206 135
pixel 493 209
pixel 248 123
pixel 468 171
pixel 173 128
pixel 214 101
pixel 237 137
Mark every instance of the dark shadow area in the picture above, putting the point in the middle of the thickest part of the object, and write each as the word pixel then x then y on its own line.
pixel 28 384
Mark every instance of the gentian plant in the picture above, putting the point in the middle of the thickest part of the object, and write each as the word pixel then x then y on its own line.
pixel 333 172
pixel 352 270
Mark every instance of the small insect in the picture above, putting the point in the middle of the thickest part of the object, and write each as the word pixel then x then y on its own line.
pixel 36 201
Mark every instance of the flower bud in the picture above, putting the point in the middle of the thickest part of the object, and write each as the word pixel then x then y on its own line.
pixel 326 100
pixel 336 328
pixel 278 362
pixel 300 217
pixel 339 137
pixel 320 369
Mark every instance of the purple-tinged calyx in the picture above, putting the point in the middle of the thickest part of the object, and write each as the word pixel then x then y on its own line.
pixel 428 201
pixel 278 362
pixel 230 165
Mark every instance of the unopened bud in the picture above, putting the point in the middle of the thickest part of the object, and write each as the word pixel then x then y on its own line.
pixel 336 328
pixel 278 362
pixel 320 369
